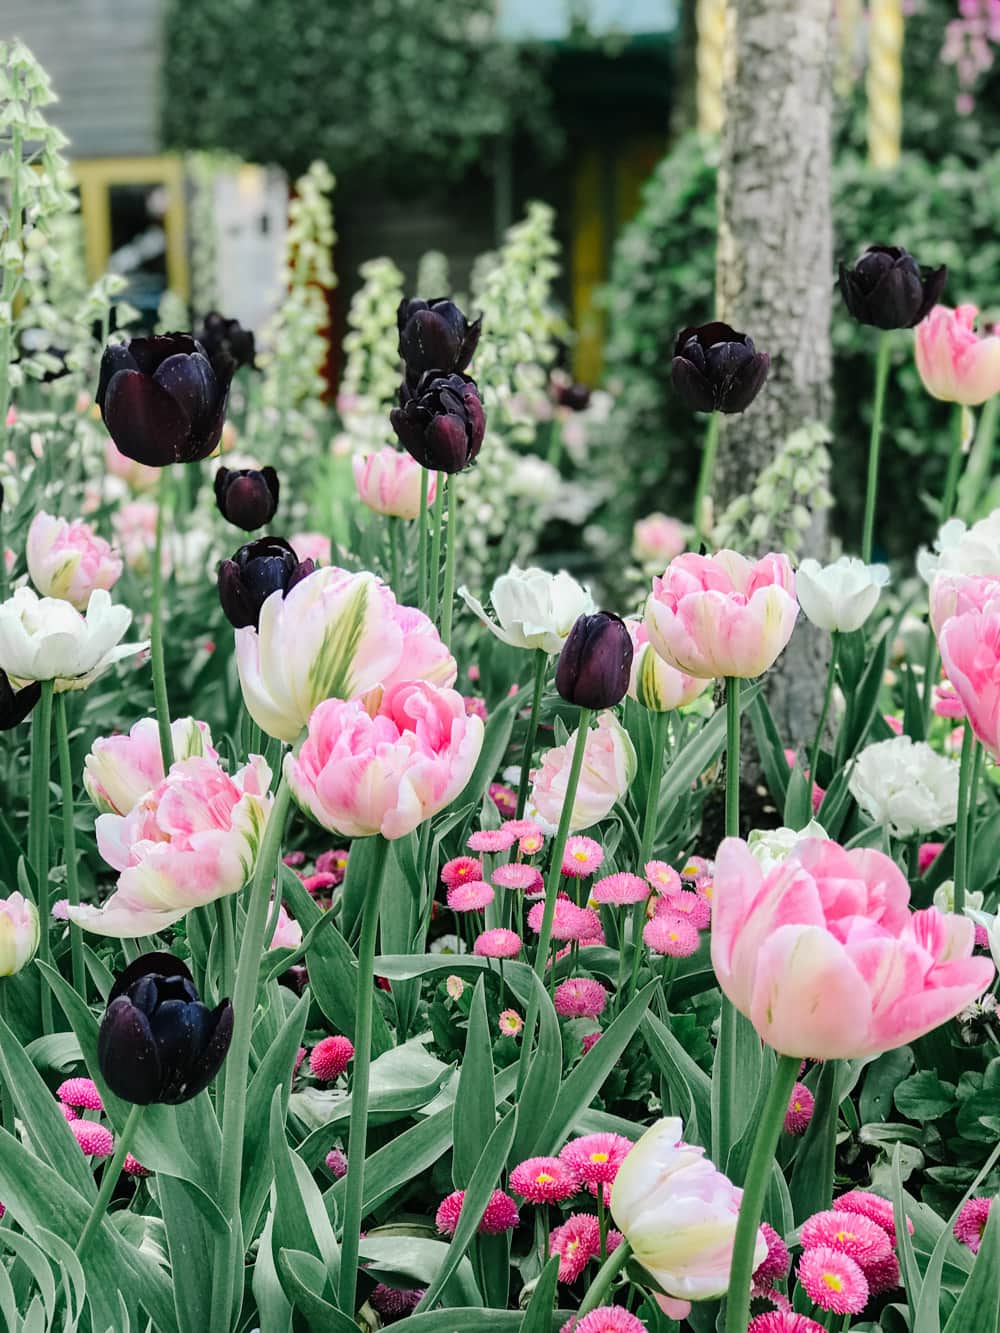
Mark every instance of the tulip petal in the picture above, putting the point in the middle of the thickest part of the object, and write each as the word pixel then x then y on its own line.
pixel 146 422
pixel 126 1053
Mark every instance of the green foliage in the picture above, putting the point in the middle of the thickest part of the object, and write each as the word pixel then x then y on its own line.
pixel 663 280
pixel 399 90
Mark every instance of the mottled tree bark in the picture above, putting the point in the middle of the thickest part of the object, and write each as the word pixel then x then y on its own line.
pixel 775 270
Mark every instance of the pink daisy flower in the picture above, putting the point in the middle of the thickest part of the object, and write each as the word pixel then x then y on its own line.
pixel 132 1167
pixel 621 890
pixel 498 943
pixel 576 1241
pixel 490 840
pixel 531 843
pixel 971 1222
pixel 596 1157
pixel 461 870
pixel 510 1023
pixel 698 910
pixel 502 797
pixel 294 859
pixel 582 857
pixel 982 938
pixel 455 987
pixel 336 1163
pixel 394 1304
pixel 81 1093
pixel 780 1321
pixel 517 875
pixel 580 997
pixel 333 862
pixel 591 1039
pixel 800 1110
pixel 470 897
pixel 544 1180
pixel 569 922
pixel 883 1275
pixel 697 867
pixel 95 1140
pixel 448 1213
pixel 663 877
pixel 330 1057
pixel 927 854
pixel 852 1234
pixel 320 881
pixel 606 1319
pixel 476 707
pixel 670 934
pixel 500 1214
pixel 69 1112
pixel 874 1207
pixel 60 909
pixel 777 1262
pixel 833 1280
pixel 520 828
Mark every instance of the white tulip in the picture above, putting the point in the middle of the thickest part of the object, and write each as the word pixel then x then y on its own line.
pixel 959 549
pixel 535 608
pixel 906 786
pixel 43 638
pixel 990 923
pixel 840 596
pixel 770 846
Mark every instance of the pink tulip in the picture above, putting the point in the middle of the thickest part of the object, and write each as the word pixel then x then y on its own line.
pixel 287 931
pixel 970 652
pixel 192 839
pixel 958 594
pixel 120 770
pixel 653 682
pixel 825 958
pixel 388 481
pixel 137 475
pixel 312 546
pixel 360 773
pixel 609 764
pixel 656 539
pixel 955 364
pixel 69 560
pixel 722 615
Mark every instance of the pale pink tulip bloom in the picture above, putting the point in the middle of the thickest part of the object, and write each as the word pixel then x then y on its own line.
pixel 69 560
pixel 359 773
pixel 825 958
pixel 609 764
pixel 958 594
pixel 955 364
pixel 120 770
pixel 312 546
pixel 194 838
pixel 970 652
pixel 287 932
pixel 388 482
pixel 654 683
pixel 722 614
pixel 657 538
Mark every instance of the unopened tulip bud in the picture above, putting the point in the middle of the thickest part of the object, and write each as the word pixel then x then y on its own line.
pixel 596 662
pixel 19 934
pixel 256 570
pixel 441 422
pixel 716 369
pixel 435 335
pixel 888 289
pixel 246 497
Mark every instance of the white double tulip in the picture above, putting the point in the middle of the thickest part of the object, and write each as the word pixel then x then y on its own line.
pixel 535 608
pixel 44 638
pixel 906 786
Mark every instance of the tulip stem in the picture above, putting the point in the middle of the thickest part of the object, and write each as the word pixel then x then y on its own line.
pixel 732 757
pixel 954 466
pixel 706 475
pixel 235 1102
pixel 38 829
pixel 552 886
pixel 6 1099
pixel 109 1179
pixel 160 699
pixel 831 676
pixel 660 725
pixel 357 1143
pixel 541 662
pixel 448 596
pixel 962 821
pixel 754 1191
pixel 604 1277
pixel 394 556
pixel 883 358
pixel 69 844
pixel 422 540
pixel 434 572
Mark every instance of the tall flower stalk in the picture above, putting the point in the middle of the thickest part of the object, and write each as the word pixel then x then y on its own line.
pixel 160 697
pixel 69 842
pixel 538 684
pixel 706 475
pixel 883 359
pixel 38 828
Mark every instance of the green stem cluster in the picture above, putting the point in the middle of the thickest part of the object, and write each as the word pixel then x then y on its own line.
pixel 434 572
pixel 112 1171
pixel 966 805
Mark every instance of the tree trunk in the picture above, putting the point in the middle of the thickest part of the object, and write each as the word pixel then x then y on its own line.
pixel 775 272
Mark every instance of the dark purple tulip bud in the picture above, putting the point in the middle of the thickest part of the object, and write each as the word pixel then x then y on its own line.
pixel 888 289
pixel 574 396
pixel 161 399
pixel 296 978
pixel 596 662
pixel 15 705
pixel 256 571
pixel 157 1041
pixel 435 335
pixel 441 423
pixel 246 497
pixel 227 338
pixel 716 369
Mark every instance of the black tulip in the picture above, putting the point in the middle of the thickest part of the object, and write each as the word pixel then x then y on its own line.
pixel 441 422
pixel 162 400
pixel 435 335
pixel 247 497
pixel 596 662
pixel 222 338
pixel 157 1041
pixel 256 570
pixel 15 705
pixel 716 369
pixel 887 288
pixel 574 396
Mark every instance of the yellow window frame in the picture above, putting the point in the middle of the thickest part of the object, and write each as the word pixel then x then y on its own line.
pixel 95 176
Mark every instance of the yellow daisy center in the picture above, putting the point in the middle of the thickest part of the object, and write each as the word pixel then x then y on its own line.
pixel 543 1178
pixel 832 1281
pixel 598 1156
